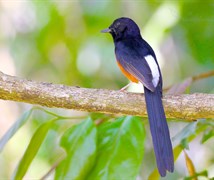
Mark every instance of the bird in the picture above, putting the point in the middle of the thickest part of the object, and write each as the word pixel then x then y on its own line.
pixel 137 61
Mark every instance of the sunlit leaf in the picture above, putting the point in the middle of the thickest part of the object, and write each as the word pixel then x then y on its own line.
pixel 15 127
pixel 154 175
pixel 177 151
pixel 80 144
pixel 120 149
pixel 190 165
pixel 32 149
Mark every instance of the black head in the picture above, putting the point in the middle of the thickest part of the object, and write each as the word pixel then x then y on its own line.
pixel 123 28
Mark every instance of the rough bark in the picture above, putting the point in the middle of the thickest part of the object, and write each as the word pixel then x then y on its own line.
pixel 189 106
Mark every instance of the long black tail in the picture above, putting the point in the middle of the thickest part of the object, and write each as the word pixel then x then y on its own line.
pixel 160 131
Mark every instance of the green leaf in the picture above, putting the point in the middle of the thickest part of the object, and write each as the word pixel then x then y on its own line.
pixel 32 149
pixel 185 137
pixel 185 143
pixel 15 127
pixel 196 175
pixel 96 116
pixel 120 149
pixel 80 144
pixel 186 132
pixel 207 135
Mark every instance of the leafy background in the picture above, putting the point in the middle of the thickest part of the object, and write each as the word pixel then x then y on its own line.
pixel 60 42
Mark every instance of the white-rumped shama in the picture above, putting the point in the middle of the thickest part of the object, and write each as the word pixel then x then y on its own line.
pixel 138 63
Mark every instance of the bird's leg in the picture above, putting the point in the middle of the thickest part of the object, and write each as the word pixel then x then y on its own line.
pixel 125 87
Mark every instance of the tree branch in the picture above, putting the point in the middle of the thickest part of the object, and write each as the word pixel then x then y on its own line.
pixel 189 107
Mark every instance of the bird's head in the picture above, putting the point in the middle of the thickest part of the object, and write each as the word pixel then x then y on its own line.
pixel 123 28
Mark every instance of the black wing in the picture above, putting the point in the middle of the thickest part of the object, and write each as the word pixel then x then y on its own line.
pixel 134 62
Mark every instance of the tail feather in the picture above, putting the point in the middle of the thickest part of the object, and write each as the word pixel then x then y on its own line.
pixel 159 131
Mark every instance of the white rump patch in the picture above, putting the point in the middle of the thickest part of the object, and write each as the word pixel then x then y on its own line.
pixel 154 69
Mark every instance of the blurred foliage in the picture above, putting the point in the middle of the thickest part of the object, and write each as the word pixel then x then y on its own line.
pixel 78 140
pixel 60 42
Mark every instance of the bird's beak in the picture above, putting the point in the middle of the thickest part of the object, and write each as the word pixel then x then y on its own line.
pixel 107 30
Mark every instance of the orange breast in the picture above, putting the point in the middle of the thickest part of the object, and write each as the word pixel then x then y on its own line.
pixel 127 74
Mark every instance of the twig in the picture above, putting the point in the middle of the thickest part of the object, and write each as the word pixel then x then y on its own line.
pixel 53 167
pixel 203 76
pixel 193 79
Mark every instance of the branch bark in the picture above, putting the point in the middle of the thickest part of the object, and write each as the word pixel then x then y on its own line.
pixel 189 107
